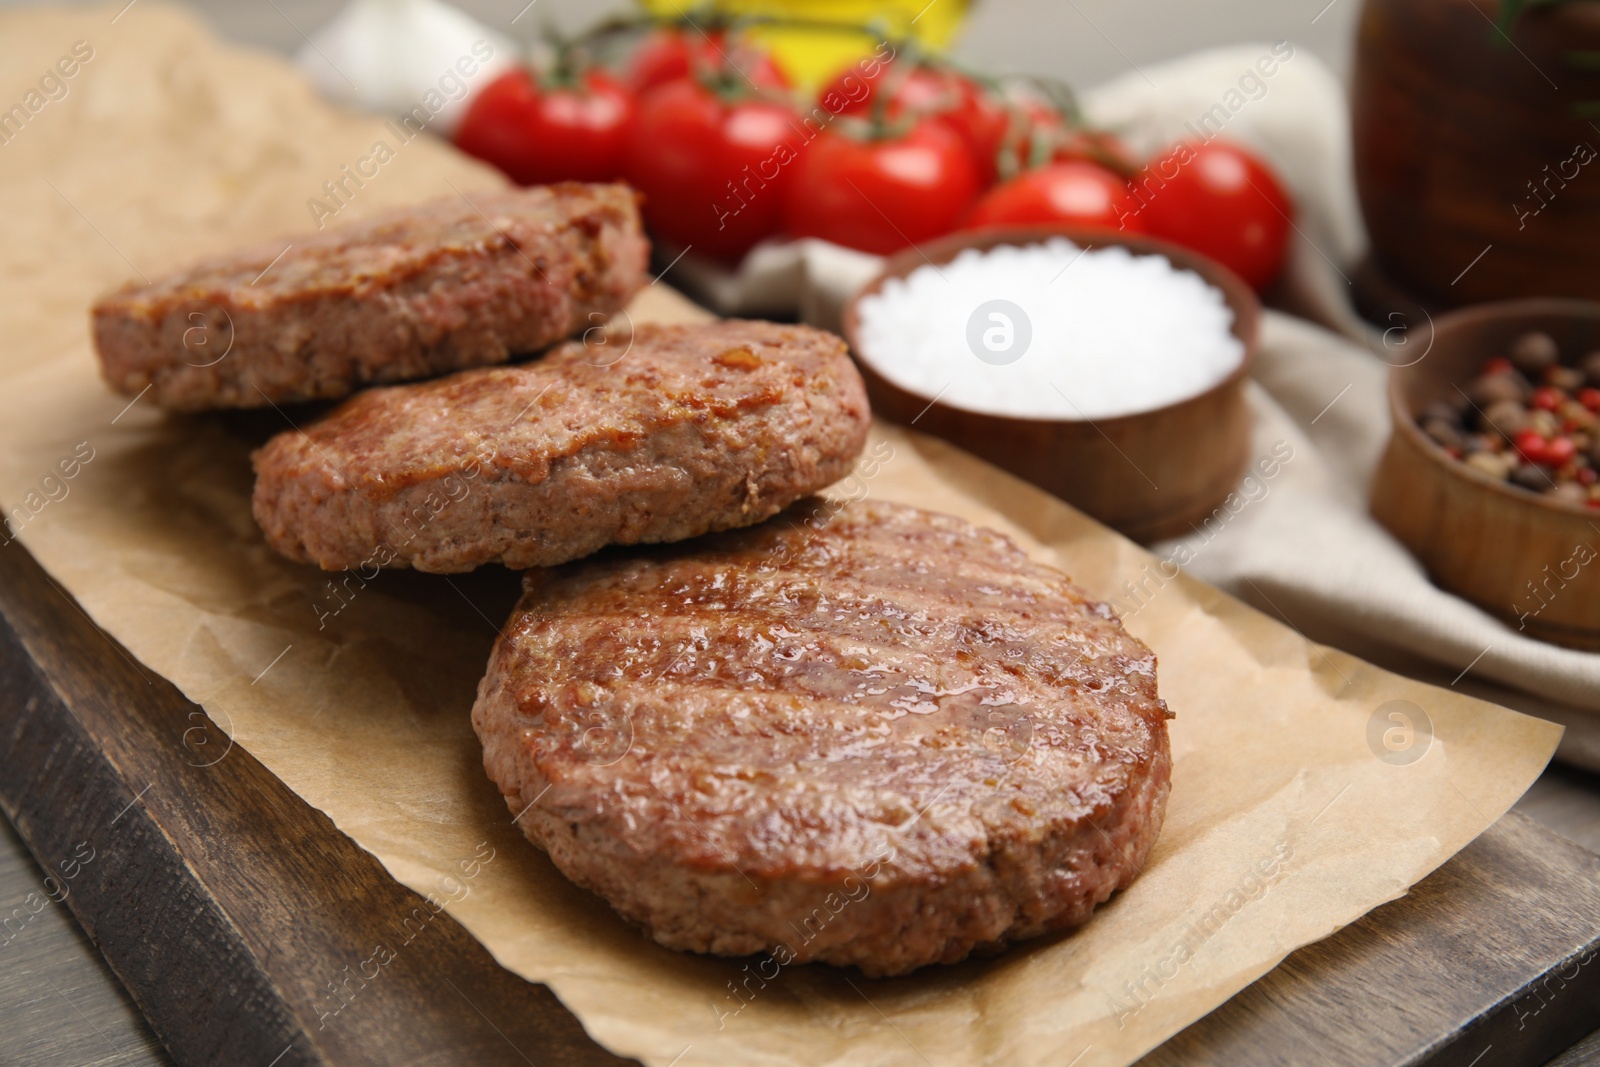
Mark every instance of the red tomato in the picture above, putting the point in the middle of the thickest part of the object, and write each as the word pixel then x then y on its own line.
pixel 880 195
pixel 1095 146
pixel 1222 202
pixel 713 174
pixel 1590 398
pixel 969 110
pixel 538 135
pixel 1071 193
pixel 1034 121
pixel 670 54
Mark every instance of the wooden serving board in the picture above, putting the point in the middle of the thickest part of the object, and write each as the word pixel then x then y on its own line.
pixel 214 892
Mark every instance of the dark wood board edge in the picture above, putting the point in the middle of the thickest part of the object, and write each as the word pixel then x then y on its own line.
pixel 1585 1053
pixel 128 888
pixel 1556 1009
pixel 223 901
pixel 1499 932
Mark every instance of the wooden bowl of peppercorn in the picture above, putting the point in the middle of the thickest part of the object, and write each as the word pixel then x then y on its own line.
pixel 1492 474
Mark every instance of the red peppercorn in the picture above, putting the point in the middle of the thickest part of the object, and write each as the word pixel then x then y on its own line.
pixel 1547 398
pixel 1589 398
pixel 1559 451
pixel 1531 444
pixel 1498 365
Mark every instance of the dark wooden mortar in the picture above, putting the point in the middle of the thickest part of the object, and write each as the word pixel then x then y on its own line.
pixel 1452 122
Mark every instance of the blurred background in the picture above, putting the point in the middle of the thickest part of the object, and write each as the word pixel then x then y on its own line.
pixel 1082 41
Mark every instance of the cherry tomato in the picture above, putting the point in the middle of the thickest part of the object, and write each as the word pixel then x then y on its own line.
pixel 1036 122
pixel 970 111
pixel 670 54
pixel 1497 365
pixel 1590 398
pixel 1588 475
pixel 1222 202
pixel 1095 146
pixel 1071 193
pixel 880 194
pixel 713 173
pixel 536 134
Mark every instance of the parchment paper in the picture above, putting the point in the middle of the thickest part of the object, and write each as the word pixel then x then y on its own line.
pixel 1298 802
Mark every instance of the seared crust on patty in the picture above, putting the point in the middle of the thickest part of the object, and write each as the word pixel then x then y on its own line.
pixel 412 293
pixel 689 430
pixel 863 734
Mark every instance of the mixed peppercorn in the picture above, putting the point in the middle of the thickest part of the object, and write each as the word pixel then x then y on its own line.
pixel 1528 419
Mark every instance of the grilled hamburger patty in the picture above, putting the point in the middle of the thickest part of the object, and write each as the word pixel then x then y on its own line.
pixel 885 738
pixel 408 294
pixel 695 428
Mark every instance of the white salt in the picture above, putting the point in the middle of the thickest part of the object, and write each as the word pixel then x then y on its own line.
pixel 1100 333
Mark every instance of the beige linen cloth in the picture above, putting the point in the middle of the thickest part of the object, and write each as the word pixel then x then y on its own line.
pixel 1303 547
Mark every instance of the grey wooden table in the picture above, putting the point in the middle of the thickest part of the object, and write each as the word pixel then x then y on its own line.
pixel 59 1003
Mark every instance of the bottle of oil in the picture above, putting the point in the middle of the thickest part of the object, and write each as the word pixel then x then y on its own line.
pixel 811 54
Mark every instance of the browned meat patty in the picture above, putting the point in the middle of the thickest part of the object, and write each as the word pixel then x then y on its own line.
pixel 695 428
pixel 885 739
pixel 412 293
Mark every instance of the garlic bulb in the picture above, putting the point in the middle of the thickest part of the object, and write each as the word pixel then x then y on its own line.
pixel 397 56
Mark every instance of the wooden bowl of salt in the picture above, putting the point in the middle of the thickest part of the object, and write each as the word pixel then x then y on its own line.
pixel 1149 470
